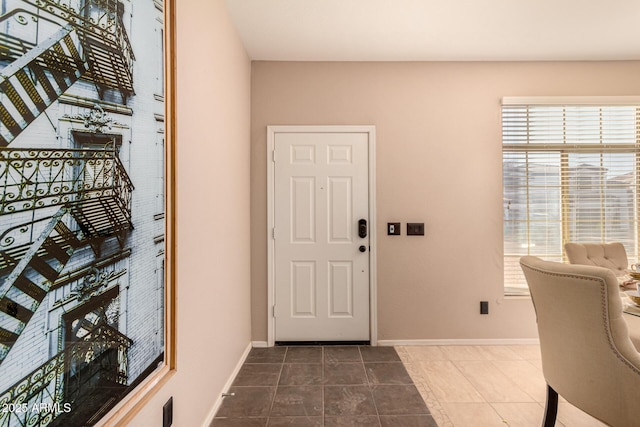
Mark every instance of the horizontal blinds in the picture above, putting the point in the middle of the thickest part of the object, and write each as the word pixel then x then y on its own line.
pixel 570 173
pixel 569 125
pixel 571 100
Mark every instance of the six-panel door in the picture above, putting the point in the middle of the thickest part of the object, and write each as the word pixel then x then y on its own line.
pixel 321 262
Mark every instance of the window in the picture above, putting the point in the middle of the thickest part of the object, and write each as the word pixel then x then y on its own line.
pixel 570 174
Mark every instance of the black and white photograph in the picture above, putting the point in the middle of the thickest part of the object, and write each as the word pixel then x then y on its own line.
pixel 82 206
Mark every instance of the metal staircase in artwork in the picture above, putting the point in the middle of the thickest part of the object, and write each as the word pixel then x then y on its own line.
pixel 39 73
pixel 100 365
pixel 31 277
pixel 43 73
pixel 87 189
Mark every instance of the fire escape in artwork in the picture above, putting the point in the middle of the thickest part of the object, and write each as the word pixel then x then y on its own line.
pixel 59 201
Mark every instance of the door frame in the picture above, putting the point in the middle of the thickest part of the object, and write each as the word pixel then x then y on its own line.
pixel 370 130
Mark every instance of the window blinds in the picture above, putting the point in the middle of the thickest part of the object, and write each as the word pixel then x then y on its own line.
pixel 570 174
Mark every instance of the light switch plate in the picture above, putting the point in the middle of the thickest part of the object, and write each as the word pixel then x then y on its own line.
pixel 415 229
pixel 393 228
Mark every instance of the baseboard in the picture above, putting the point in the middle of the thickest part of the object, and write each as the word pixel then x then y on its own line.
pixel 488 341
pixel 232 377
pixel 474 341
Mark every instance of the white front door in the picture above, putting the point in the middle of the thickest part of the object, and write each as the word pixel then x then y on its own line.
pixel 321 236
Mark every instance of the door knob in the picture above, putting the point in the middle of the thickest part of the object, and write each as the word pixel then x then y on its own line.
pixel 362 248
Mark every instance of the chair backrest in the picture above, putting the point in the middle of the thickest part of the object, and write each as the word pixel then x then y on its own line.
pixel 587 356
pixel 609 255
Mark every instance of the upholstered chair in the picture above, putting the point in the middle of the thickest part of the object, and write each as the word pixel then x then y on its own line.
pixel 587 356
pixel 609 255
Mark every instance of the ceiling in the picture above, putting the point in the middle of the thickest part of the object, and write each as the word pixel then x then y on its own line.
pixel 438 30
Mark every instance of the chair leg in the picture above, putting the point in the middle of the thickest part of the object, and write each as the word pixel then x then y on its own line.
pixel 551 409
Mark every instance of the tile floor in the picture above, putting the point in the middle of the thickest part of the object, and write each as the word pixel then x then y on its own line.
pixel 323 386
pixel 485 386
pixel 462 386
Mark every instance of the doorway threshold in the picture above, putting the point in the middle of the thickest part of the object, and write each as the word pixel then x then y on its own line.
pixel 322 343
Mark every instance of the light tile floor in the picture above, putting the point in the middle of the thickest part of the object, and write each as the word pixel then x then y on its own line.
pixel 485 386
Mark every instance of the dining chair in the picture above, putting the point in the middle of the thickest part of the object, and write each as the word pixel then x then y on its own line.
pixel 609 255
pixel 587 356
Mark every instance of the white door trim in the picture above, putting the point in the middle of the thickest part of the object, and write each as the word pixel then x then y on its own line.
pixel 271 132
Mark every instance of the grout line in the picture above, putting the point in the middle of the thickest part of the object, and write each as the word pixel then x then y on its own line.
pixel 275 392
pixel 437 412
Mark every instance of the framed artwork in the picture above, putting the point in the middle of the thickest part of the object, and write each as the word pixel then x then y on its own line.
pixel 86 208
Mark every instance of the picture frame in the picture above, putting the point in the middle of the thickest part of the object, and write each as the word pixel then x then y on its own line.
pixel 87 209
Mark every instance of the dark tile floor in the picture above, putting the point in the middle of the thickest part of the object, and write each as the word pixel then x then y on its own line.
pixel 323 386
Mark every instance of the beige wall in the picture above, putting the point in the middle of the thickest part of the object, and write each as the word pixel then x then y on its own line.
pixel 213 283
pixel 432 167
pixel 438 162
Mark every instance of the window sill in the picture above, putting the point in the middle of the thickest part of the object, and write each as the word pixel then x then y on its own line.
pixel 516 292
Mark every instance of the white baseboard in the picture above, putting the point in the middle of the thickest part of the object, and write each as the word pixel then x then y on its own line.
pixel 489 341
pixel 232 377
pixel 467 341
